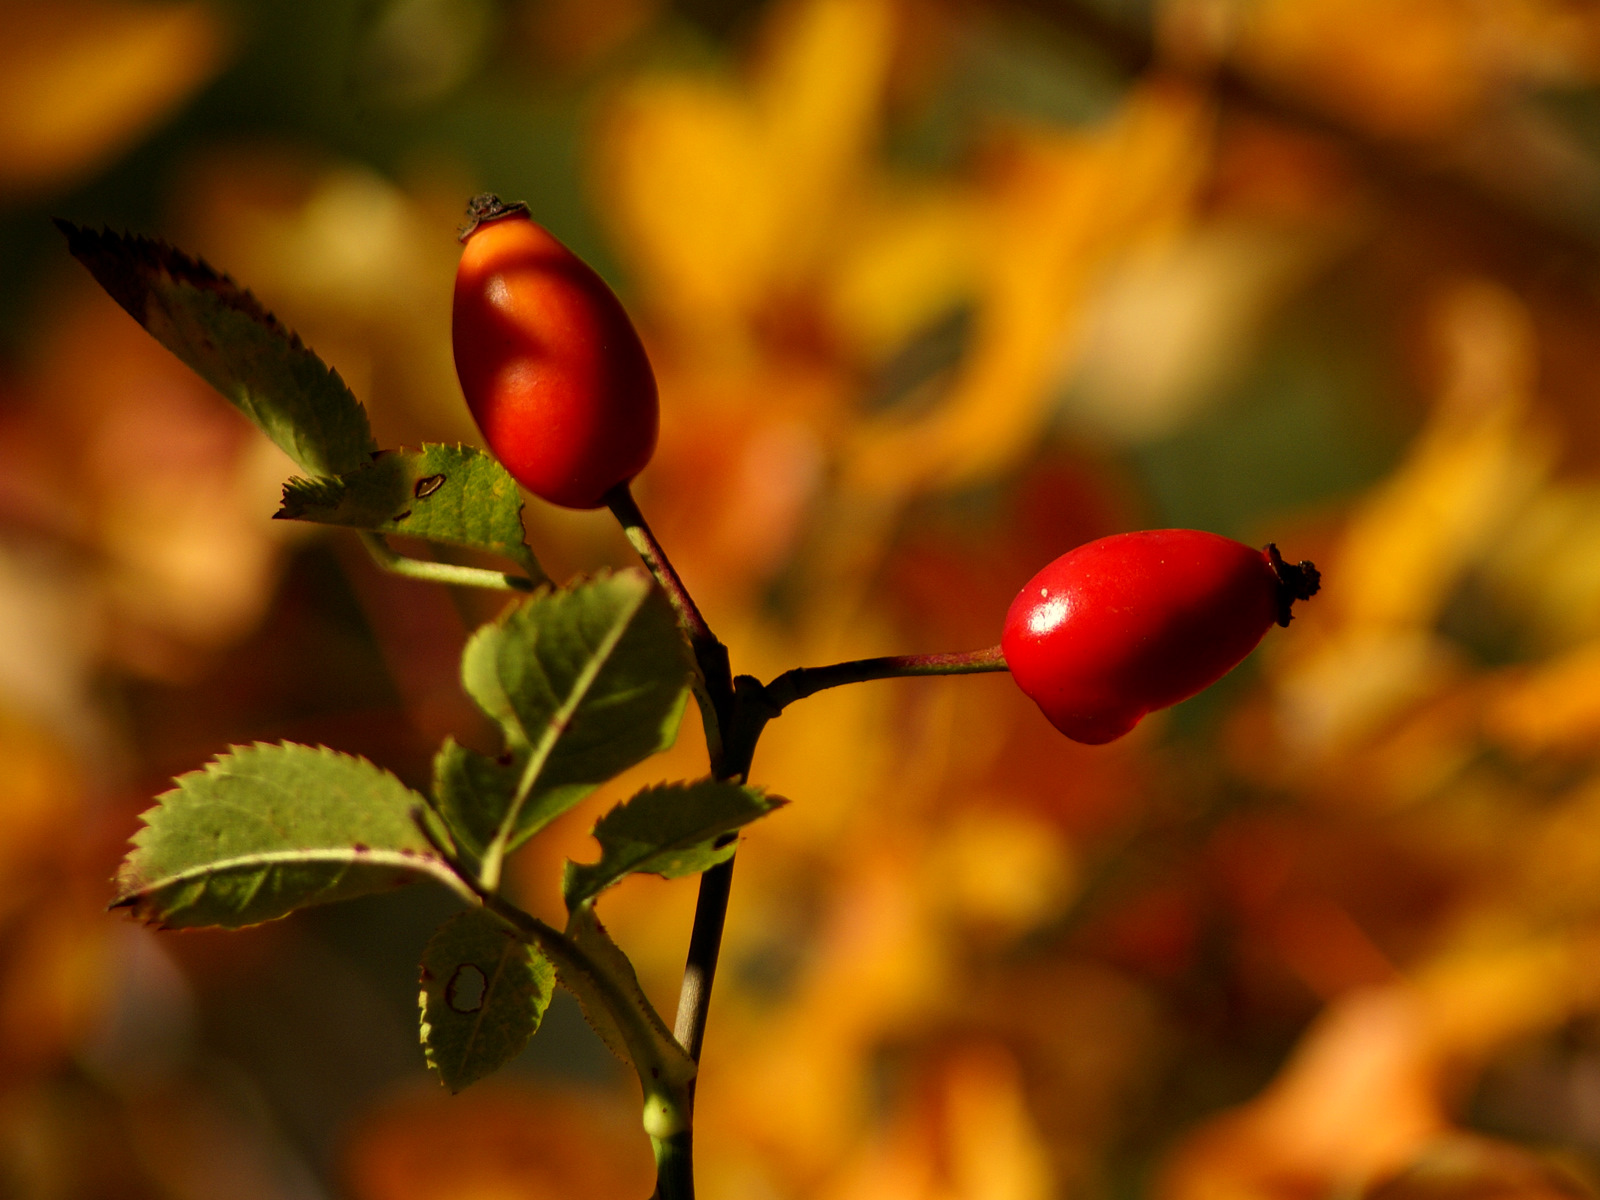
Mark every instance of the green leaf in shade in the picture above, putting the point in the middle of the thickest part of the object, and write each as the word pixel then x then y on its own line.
pixel 616 1007
pixel 672 829
pixel 452 494
pixel 484 992
pixel 225 335
pixel 473 791
pixel 584 682
pixel 263 830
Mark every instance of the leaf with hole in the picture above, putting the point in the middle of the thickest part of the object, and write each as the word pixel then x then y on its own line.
pixel 263 830
pixel 484 992
pixel 451 494
pixel 672 829
pixel 232 342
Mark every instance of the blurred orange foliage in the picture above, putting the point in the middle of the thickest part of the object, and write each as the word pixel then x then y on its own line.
pixel 1320 272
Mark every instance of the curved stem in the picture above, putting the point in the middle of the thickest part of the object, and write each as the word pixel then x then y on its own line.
pixel 709 653
pixel 438 572
pixel 714 690
pixel 730 753
pixel 806 681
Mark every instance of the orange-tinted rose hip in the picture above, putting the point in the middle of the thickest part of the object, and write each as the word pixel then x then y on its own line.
pixel 551 367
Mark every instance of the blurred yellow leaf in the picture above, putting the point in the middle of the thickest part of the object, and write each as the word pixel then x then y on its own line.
pixel 876 963
pixel 1436 65
pixel 1464 480
pixel 1464 475
pixel 38 805
pixel 912 258
pixel 1424 74
pixel 54 979
pixel 175 485
pixel 1483 994
pixel 1547 564
pixel 55 966
pixel 970 1137
pixel 1356 1100
pixel 1552 706
pixel 999 869
pixel 726 193
pixel 1060 209
pixel 1173 319
pixel 81 79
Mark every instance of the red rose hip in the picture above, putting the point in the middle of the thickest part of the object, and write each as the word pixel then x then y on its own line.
pixel 552 369
pixel 1138 621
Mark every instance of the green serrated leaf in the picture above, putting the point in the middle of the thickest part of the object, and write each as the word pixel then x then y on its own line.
pixel 672 829
pixel 584 682
pixel 472 792
pixel 225 335
pixel 606 985
pixel 452 494
pixel 263 830
pixel 484 992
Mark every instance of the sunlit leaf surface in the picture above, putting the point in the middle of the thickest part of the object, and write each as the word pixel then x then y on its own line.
pixel 264 830
pixel 451 494
pixel 233 343
pixel 671 830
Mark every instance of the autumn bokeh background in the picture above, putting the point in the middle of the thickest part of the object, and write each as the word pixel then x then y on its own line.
pixel 936 289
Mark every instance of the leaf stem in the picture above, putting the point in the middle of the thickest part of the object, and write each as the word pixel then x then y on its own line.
pixel 438 572
pixel 806 681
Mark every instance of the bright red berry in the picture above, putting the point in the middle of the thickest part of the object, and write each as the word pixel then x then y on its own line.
pixel 552 368
pixel 1131 623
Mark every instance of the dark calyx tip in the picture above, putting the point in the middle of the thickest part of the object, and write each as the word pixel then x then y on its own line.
pixel 1296 581
pixel 486 206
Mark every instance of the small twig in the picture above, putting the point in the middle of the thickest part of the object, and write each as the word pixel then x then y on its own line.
pixel 705 944
pixel 438 572
pixel 710 655
pixel 806 681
